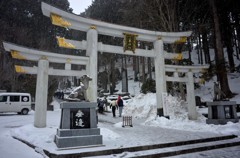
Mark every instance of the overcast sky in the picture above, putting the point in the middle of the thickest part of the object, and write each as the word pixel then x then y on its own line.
pixel 79 6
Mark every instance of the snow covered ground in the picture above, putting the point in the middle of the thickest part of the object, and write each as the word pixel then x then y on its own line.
pixel 147 128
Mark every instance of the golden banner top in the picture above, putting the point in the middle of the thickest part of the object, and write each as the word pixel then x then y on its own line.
pixel 16 55
pixel 181 40
pixel 62 43
pixel 19 69
pixel 178 57
pixel 58 20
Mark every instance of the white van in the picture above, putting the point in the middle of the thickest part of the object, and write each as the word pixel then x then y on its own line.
pixel 15 102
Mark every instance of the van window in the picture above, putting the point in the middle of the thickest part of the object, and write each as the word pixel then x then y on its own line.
pixel 15 98
pixel 25 98
pixel 3 98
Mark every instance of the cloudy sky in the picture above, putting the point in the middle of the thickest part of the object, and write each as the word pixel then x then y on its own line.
pixel 79 6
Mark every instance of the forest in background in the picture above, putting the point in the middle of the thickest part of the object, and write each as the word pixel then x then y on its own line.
pixel 215 25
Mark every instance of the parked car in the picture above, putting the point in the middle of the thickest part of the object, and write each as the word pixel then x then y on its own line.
pixel 112 97
pixel 15 102
pixel 126 99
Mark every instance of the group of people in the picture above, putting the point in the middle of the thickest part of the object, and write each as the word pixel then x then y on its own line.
pixel 101 104
pixel 114 105
pixel 117 104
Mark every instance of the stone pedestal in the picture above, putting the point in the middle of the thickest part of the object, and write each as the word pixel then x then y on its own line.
pixel 78 126
pixel 220 112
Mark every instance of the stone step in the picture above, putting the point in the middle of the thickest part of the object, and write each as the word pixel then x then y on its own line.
pixel 185 149
pixel 78 141
pixel 150 149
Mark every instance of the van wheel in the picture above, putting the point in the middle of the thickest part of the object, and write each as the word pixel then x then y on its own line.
pixel 24 111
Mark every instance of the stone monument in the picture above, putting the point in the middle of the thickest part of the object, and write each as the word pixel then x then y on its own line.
pixel 78 126
pixel 221 111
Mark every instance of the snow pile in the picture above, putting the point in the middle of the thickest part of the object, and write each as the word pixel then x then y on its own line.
pixel 192 125
pixel 176 108
pixel 144 106
pixel 141 106
pixel 26 133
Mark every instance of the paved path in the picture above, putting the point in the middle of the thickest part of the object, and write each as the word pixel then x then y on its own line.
pixel 141 134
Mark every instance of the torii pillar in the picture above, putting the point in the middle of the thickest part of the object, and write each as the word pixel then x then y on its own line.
pixel 159 75
pixel 41 93
pixel 192 112
pixel 92 41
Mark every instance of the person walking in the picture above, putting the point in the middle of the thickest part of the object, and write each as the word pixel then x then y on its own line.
pixel 100 106
pixel 113 106
pixel 120 105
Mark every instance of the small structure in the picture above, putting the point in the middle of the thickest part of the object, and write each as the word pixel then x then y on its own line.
pixel 221 111
pixel 78 126
pixel 127 121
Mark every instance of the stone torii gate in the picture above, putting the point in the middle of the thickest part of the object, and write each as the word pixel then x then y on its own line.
pixel 92 46
pixel 42 71
pixel 188 72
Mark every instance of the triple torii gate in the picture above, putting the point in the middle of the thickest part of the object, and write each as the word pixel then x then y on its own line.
pixel 42 71
pixel 92 47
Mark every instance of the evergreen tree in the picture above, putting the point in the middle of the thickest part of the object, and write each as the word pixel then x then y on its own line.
pixel 23 23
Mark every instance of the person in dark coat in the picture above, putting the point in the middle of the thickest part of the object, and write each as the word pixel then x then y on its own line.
pixel 100 106
pixel 120 105
pixel 113 106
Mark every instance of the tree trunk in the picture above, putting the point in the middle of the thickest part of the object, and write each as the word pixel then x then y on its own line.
pixel 198 52
pixel 112 79
pixel 220 63
pixel 189 41
pixel 149 68
pixel 124 75
pixel 134 67
pixel 134 63
pixel 136 70
pixel 236 45
pixel 143 70
pixel 200 48
pixel 228 38
pixel 230 54
pixel 236 19
pixel 205 45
